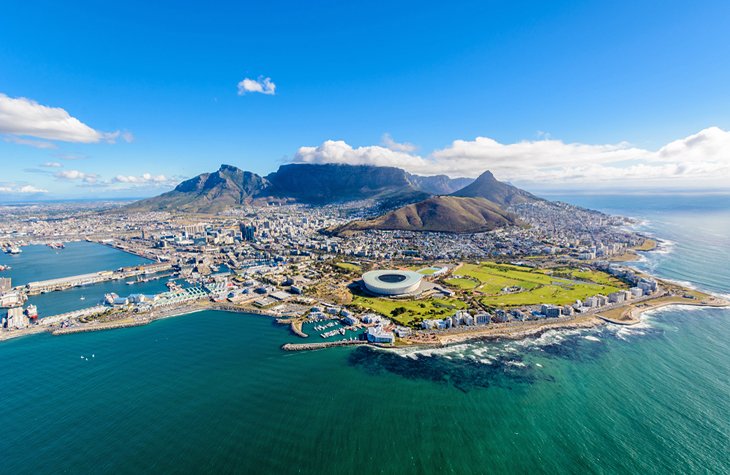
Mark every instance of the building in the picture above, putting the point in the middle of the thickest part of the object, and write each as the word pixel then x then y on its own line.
pixel 392 282
pixel 5 284
pixel 248 232
pixel 378 334
pixel 482 318
pixel 616 297
pixel 15 318
pixel 371 318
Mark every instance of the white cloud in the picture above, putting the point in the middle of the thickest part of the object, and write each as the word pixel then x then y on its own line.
pixel 15 188
pixel 26 117
pixel 70 156
pixel 144 179
pixel 29 142
pixel 261 85
pixel 52 165
pixel 395 146
pixel 76 175
pixel 338 151
pixel 700 160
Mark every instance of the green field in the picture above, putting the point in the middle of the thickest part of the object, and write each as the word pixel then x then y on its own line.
pixel 535 286
pixel 462 283
pixel 414 310
pixel 346 266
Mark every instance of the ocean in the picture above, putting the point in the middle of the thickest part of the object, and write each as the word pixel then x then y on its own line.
pixel 212 391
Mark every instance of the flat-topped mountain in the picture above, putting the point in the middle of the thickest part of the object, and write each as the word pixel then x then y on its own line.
pixel 300 183
pixel 332 183
pixel 450 214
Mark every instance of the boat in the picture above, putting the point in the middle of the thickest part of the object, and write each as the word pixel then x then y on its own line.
pixel 130 282
pixel 13 250
pixel 2 268
pixel 31 311
pixel 82 298
pixel 56 245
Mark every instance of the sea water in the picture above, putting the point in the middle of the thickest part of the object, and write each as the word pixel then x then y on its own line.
pixel 213 392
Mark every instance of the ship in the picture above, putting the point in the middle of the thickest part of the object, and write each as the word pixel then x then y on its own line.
pixel 31 311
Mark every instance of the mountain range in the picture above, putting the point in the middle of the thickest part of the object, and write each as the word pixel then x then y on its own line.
pixel 300 183
pixel 411 202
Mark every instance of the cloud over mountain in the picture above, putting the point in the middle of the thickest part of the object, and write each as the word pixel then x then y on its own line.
pixel 699 160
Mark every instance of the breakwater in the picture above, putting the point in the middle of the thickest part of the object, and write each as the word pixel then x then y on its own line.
pixel 96 328
pixel 318 346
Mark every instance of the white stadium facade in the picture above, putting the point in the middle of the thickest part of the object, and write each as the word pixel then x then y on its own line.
pixel 392 282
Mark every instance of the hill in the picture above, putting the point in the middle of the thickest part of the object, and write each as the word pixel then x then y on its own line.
pixel 451 214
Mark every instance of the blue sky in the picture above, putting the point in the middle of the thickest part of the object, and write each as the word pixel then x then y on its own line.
pixel 547 94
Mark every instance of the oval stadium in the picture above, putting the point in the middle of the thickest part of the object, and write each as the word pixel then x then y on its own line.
pixel 392 282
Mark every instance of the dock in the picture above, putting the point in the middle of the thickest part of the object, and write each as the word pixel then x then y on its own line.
pixel 34 288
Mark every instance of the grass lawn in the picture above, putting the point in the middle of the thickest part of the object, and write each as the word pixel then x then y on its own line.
pixel 559 287
pixel 414 309
pixel 427 271
pixel 348 267
pixel 462 283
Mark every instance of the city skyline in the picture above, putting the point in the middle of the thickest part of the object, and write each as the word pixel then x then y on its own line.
pixel 549 97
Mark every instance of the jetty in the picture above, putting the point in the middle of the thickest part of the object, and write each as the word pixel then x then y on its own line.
pixel 318 346
pixel 84 312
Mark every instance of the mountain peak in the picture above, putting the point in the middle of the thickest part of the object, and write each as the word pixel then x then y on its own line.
pixel 228 168
pixel 488 187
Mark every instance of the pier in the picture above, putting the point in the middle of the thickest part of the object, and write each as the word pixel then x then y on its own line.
pixel 317 346
pixel 34 288
pixel 84 312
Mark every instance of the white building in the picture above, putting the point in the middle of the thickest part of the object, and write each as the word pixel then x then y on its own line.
pixel 378 334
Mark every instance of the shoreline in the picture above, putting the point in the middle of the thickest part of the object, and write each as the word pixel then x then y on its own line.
pixel 628 315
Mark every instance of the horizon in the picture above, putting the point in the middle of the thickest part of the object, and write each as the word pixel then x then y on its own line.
pixel 554 97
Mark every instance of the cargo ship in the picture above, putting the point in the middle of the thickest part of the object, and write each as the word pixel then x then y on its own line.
pixel 31 311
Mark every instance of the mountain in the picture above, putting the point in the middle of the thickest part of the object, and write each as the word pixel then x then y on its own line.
pixel 439 184
pixel 208 193
pixel 333 183
pixel 301 183
pixel 503 194
pixel 451 214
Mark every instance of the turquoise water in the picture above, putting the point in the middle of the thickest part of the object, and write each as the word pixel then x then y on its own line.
pixel 213 392
pixel 54 303
pixel 40 262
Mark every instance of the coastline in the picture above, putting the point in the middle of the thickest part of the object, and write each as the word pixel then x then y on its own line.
pixel 674 294
pixel 625 315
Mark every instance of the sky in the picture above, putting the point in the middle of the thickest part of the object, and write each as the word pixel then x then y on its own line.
pixel 126 99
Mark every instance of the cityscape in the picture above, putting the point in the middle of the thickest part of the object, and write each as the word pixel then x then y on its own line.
pixel 402 238
pixel 281 261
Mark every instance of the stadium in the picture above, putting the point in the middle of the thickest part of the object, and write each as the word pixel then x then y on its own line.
pixel 392 282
